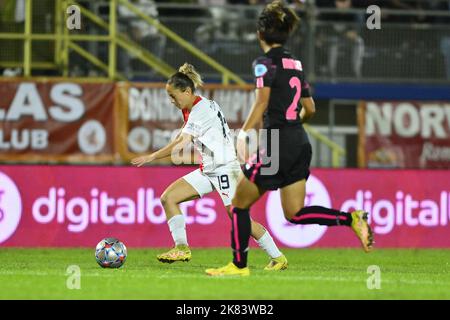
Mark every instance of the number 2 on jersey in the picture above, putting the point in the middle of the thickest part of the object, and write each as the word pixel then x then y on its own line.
pixel 291 112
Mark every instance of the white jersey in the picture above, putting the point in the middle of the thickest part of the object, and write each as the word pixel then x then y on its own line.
pixel 207 124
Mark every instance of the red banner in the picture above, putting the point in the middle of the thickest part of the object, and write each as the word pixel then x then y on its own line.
pixel 404 134
pixel 57 121
pixel 73 122
pixel 78 206
pixel 153 120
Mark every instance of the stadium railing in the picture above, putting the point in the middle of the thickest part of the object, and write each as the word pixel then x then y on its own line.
pixel 412 46
pixel 410 51
pixel 64 41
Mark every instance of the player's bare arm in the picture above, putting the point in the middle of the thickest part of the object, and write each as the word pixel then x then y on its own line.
pixel 180 142
pixel 258 108
pixel 254 119
pixel 308 109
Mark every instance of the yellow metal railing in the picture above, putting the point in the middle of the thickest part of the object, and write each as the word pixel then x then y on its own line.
pixel 112 41
pixel 124 42
pixel 64 42
pixel 336 150
pixel 227 74
pixel 27 40
pixel 94 60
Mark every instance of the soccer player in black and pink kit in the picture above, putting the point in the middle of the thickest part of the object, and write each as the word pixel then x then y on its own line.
pixel 284 102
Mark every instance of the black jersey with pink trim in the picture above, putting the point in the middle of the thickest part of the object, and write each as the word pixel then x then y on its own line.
pixel 283 73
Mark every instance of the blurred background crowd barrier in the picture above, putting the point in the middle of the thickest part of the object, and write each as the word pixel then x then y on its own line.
pixel 333 41
pixel 91 95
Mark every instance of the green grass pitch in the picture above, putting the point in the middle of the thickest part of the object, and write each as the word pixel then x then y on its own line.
pixel 312 274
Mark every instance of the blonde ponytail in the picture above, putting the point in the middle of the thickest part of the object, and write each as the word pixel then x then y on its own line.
pixel 189 70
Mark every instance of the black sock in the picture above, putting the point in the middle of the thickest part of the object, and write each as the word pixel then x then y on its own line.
pixel 322 216
pixel 240 235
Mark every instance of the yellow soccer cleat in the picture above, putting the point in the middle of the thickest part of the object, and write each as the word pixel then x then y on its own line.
pixel 179 253
pixel 229 270
pixel 362 229
pixel 276 264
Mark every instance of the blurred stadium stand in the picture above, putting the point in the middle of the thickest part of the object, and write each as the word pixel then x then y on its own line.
pixel 413 46
pixel 337 49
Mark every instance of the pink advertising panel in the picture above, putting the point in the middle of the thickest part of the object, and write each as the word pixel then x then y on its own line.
pixel 77 206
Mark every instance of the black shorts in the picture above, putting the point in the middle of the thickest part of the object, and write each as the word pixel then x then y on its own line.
pixel 294 158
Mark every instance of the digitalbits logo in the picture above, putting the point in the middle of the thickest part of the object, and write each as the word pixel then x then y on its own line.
pixel 10 207
pixel 297 236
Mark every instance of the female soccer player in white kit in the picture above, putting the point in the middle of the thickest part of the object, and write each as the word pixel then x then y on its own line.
pixel 206 127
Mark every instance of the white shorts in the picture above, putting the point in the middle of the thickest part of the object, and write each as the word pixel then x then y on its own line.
pixel 224 179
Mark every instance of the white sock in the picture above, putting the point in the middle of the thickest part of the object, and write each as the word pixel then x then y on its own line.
pixel 268 245
pixel 177 227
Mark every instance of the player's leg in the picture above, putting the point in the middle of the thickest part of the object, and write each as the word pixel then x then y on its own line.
pixel 226 184
pixel 257 229
pixel 261 235
pixel 225 181
pixel 292 201
pixel 191 186
pixel 178 192
pixel 247 193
